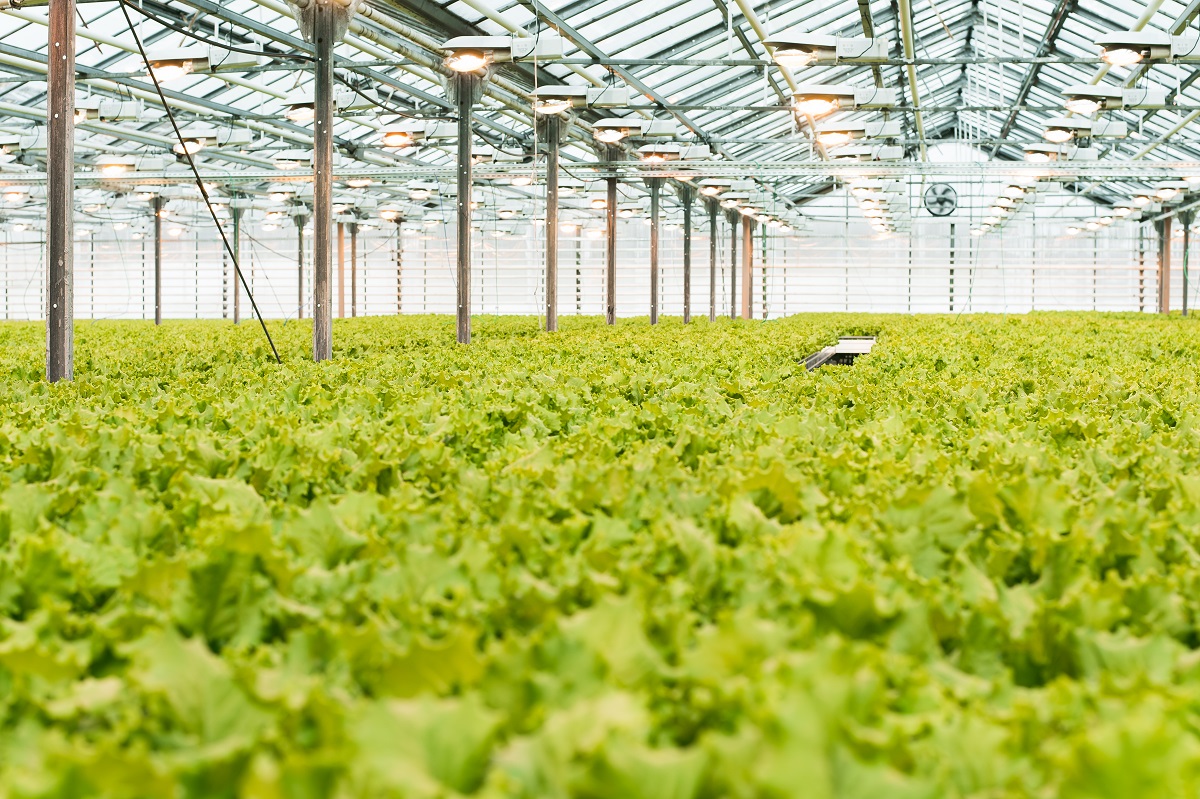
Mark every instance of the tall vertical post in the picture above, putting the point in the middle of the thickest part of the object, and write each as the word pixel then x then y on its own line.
pixel 1186 219
pixel 157 206
pixel 324 36
pixel 953 253
pixel 1164 266
pixel 655 196
pixel 467 83
pixel 353 270
pixel 60 192
pixel 341 242
pixel 734 218
pixel 686 196
pixel 300 219
pixel 610 304
pixel 236 213
pixel 747 263
pixel 713 205
pixel 552 127
pixel 399 267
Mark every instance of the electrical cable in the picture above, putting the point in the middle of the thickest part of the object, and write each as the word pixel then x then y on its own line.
pixel 199 181
pixel 166 23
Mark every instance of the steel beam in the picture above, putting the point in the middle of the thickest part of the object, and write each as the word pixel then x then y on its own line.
pixel 60 193
pixel 236 213
pixel 686 195
pixel 734 218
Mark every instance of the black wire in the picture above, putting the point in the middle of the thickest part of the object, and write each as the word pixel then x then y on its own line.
pixel 199 181
pixel 166 23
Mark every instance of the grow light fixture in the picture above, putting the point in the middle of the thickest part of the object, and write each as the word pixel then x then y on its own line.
pixel 615 129
pixel 290 160
pixel 475 53
pixel 714 187
pixel 845 132
pixel 817 100
pixel 560 99
pixel 106 110
pixel 793 49
pixel 1126 48
pixel 411 132
pixel 173 63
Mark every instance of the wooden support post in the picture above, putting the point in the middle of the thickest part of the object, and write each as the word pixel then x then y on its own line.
pixel 60 192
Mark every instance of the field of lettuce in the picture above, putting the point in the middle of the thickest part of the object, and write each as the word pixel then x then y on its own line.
pixel 640 563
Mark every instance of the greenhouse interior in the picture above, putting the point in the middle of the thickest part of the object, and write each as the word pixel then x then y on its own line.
pixel 556 399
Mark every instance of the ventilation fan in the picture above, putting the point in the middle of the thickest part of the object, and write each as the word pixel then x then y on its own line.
pixel 941 199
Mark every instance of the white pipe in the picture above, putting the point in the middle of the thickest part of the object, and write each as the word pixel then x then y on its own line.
pixel 906 34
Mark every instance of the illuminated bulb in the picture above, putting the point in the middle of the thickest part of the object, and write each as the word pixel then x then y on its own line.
pixel 278 196
pixel 978 232
pixel 998 210
pixel 599 204
pixel 358 183
pixel 81 115
pixel 727 204
pixel 189 146
pixel 171 69
pixel 14 197
pixel 1093 226
pixel 1122 211
pixel 1141 201
pixel 284 163
pixel 467 61
pixel 625 213
pixel 794 58
pixel 834 138
pixel 389 214
pixel 568 227
pixel 1058 135
pixel 1166 193
pixel 20 227
pixel 747 210
pixel 506 213
pixel 164 213
pixel 1036 157
pixel 144 196
pixel 137 234
pixel 1121 57
pixel 1085 106
pixel 499 234
pixel 1073 231
pixel 1105 221
pixel 773 223
pixel 523 180
pixel 419 195
pixel 593 233
pixel 175 232
pixel 120 225
pixel 398 138
pixel 610 135
pixel 555 106
pixel 710 191
pixel 270 226
pixel 1013 192
pixel 114 170
pixel 410 232
pixel 817 106
pixel 474 205
pixel 785 228
pixel 653 158
pixel 991 220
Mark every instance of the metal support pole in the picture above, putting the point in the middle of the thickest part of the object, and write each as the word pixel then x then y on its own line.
pixel 324 35
pixel 157 206
pixel 300 266
pixel 399 267
pixel 467 83
pixel 353 270
pixel 734 218
pixel 747 264
pixel 1186 220
pixel 552 133
pixel 1164 267
pixel 687 255
pixel 236 213
pixel 341 241
pixel 953 253
pixel 712 260
pixel 655 196
pixel 611 262
pixel 60 192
